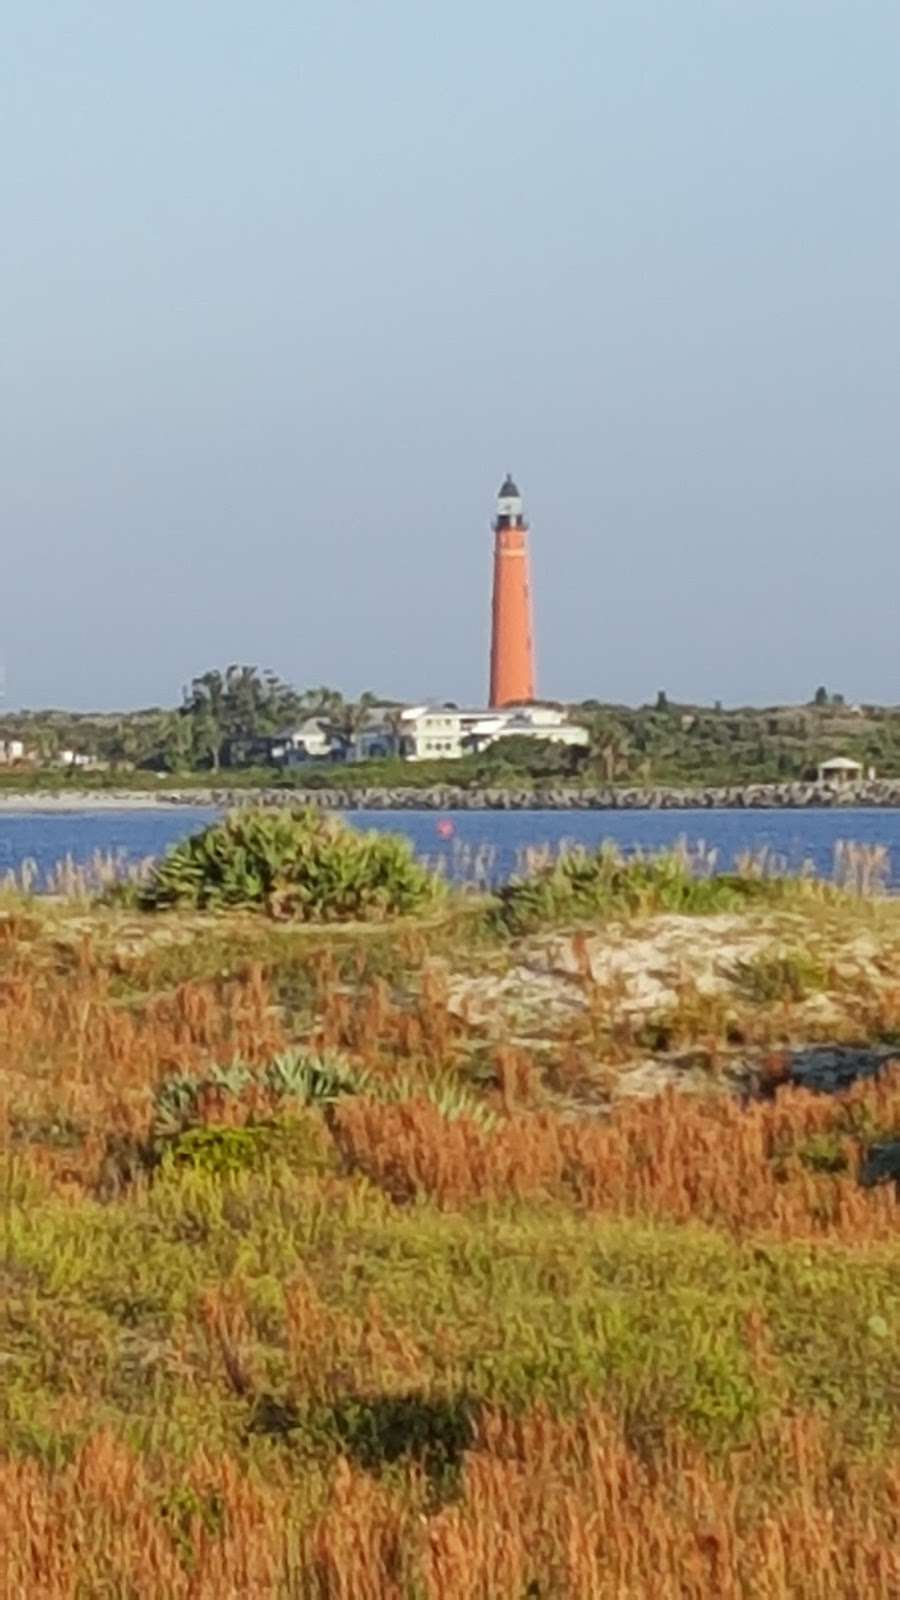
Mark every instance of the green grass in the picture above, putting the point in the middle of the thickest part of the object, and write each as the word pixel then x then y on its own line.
pixel 577 885
pixel 510 1306
pixel 781 974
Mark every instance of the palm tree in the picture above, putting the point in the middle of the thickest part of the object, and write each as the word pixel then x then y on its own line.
pixel 322 702
pixel 395 723
pixel 205 705
pixel 613 749
pixel 351 718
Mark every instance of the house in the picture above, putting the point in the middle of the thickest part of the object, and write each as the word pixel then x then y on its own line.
pixel 446 733
pixel 374 743
pixel 313 740
pixel 78 759
pixel 840 770
pixel 11 750
pixel 542 722
pixel 431 733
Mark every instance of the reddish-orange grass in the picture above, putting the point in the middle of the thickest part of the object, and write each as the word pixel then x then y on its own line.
pixel 557 1508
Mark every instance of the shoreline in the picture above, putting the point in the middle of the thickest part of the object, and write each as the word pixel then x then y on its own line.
pixel 35 801
pixel 874 795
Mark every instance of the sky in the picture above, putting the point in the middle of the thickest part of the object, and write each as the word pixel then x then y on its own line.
pixel 289 287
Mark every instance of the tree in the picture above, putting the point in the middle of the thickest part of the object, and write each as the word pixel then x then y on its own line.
pixel 241 703
pixel 174 750
pixel 662 701
pixel 615 757
pixel 396 726
pixel 820 698
pixel 205 706
pixel 540 758
pixel 351 717
pixel 321 702
pixel 120 745
pixel 612 747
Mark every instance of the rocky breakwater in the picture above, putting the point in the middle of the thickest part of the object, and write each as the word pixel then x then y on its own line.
pixel 751 796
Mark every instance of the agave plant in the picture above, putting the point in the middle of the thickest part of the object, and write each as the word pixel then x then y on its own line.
pixel 297 1075
pixel 452 1099
pixel 178 1099
pixel 309 1079
pixel 314 1080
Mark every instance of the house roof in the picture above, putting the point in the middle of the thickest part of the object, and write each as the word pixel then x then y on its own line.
pixel 841 764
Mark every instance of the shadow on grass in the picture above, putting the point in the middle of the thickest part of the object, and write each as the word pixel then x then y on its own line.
pixel 378 1431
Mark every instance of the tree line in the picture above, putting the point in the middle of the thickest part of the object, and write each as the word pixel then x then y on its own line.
pixel 223 711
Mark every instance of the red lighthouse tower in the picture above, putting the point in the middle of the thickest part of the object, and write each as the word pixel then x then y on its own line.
pixel 512 647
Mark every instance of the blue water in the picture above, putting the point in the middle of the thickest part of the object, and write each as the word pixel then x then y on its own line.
pixel 48 838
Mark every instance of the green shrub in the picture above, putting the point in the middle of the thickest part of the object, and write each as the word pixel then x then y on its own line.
pixel 296 864
pixel 582 885
pixel 185 1511
pixel 221 1151
pixel 217 1150
pixel 824 1152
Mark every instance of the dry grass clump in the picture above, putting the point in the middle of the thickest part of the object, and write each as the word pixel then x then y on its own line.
pixel 80 1070
pixel 545 1506
pixel 674 1157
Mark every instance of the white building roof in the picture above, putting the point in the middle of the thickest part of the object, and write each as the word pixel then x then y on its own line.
pixel 841 764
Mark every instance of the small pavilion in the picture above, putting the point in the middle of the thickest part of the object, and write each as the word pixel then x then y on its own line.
pixel 840 770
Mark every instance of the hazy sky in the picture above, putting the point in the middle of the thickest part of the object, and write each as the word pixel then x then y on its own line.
pixel 287 287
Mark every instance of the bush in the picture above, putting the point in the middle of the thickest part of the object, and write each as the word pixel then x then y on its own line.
pixel 219 1151
pixel 295 864
pixel 581 885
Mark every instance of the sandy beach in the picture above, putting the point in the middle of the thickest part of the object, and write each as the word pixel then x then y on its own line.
pixel 50 800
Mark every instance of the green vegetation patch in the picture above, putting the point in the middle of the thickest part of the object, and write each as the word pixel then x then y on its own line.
pixel 220 1151
pixel 299 1079
pixel 668 1325
pixel 781 974
pixel 293 864
pixel 578 885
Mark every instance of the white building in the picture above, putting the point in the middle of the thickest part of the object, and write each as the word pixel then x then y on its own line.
pixel 840 770
pixel 76 758
pixel 11 750
pixel 445 733
pixel 312 741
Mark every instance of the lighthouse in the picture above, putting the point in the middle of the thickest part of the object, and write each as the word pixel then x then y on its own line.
pixel 512 647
